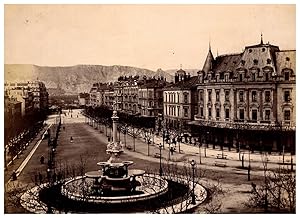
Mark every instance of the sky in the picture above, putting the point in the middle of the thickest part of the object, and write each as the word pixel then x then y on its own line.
pixel 146 36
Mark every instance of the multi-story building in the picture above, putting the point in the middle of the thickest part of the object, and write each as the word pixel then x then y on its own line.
pixel 180 100
pixel 12 115
pixel 150 97
pixel 40 94
pixel 94 95
pixel 25 96
pixel 130 96
pixel 83 99
pixel 253 91
pixel 109 96
pixel 33 95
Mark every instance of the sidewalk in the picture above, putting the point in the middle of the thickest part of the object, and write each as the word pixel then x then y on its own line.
pixel 188 153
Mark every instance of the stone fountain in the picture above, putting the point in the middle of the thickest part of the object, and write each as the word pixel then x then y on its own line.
pixel 114 186
pixel 114 182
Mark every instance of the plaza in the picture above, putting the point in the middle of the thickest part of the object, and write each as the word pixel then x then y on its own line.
pixel 88 147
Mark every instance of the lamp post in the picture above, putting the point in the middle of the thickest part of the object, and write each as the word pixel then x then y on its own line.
pixel 169 142
pixel 249 166
pixel 199 144
pixel 193 163
pixel 283 154
pixel 160 169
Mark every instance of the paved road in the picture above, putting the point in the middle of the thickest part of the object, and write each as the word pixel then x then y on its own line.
pixel 89 147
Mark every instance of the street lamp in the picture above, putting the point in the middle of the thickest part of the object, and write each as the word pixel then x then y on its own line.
pixel 169 141
pixel 193 163
pixel 249 166
pixel 160 169
pixel 199 144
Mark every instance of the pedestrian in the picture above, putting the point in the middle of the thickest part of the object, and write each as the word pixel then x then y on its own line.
pixel 71 139
pixel 40 178
pixel 14 175
pixel 42 160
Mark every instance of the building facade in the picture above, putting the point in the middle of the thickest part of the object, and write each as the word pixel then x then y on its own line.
pixel 33 95
pixel 250 93
pixel 150 97
pixel 180 100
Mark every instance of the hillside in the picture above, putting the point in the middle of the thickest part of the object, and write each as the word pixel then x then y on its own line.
pixel 74 79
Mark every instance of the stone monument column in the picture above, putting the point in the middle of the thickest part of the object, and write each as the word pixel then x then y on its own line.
pixel 115 120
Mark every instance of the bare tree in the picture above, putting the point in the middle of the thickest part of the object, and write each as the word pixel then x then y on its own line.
pixel 276 193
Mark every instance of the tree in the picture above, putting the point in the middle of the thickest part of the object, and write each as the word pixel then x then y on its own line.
pixel 277 193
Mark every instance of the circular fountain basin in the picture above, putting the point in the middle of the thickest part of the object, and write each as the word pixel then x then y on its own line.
pixel 103 164
pixel 94 174
pixel 136 172
pixel 151 186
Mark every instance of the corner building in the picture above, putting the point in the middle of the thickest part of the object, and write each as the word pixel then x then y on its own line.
pixel 248 99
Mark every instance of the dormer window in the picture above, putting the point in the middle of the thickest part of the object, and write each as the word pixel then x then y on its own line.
pixel 263 49
pixel 287 59
pixel 253 76
pixel 255 61
pixel 243 62
pixel 222 75
pixel 250 50
pixel 269 61
pixel 287 76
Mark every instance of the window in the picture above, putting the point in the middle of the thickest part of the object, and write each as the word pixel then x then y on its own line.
pixel 242 114
pixel 263 49
pixel 241 77
pixel 217 112
pixel 209 95
pixel 267 114
pixel 287 59
pixel 287 96
pixel 178 110
pixel 201 111
pixel 255 61
pixel 250 50
pixel 267 96
pixel 227 95
pixel 286 76
pixel 185 95
pixel 178 97
pixel 254 96
pixel 243 62
pixel 209 112
pixel 227 113
pixel 222 75
pixel 254 114
pixel 201 95
pixel 241 96
pixel 166 99
pixel 267 76
pixel 217 96
pixel 287 115
pixel 226 78
pixel 269 61
pixel 253 76
pixel 186 113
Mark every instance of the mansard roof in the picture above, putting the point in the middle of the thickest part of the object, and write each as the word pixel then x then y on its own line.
pixel 286 59
pixel 185 84
pixel 226 63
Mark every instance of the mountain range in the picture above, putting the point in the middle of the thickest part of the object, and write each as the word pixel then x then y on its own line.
pixel 70 80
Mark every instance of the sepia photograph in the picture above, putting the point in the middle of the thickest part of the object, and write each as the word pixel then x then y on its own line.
pixel 149 108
